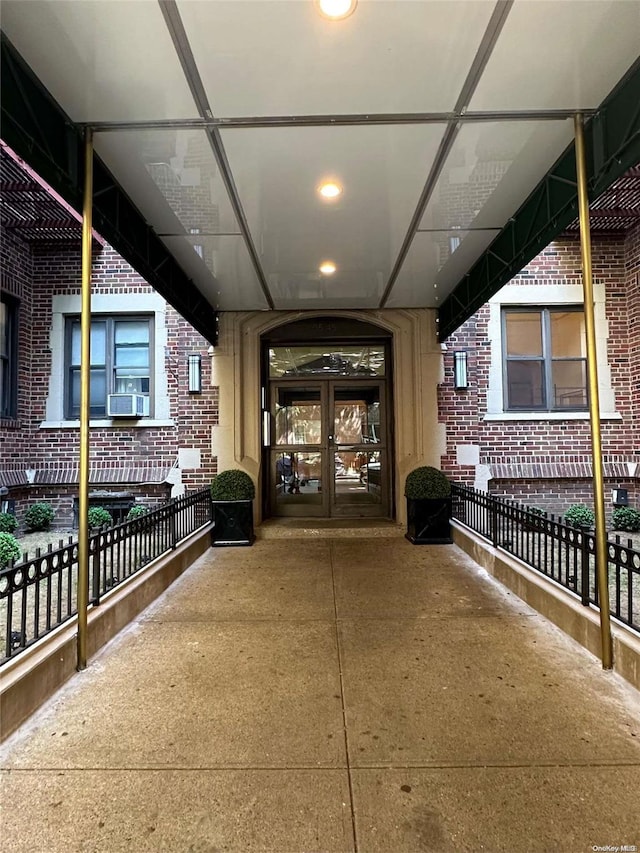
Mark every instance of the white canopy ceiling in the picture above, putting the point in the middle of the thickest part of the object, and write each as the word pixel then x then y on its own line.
pixel 222 118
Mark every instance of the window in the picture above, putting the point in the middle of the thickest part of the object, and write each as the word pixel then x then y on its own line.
pixel 327 360
pixel 545 365
pixel 8 357
pixel 120 362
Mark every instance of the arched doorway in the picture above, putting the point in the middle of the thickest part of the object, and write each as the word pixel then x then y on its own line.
pixel 327 425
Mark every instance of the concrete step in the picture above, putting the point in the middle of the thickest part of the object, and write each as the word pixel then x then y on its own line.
pixel 328 528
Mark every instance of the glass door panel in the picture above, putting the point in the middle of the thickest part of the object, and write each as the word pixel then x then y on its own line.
pixel 297 478
pixel 298 454
pixel 298 415
pixel 359 486
pixel 328 448
pixel 357 482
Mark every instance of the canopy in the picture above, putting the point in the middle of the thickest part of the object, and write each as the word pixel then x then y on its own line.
pixel 443 128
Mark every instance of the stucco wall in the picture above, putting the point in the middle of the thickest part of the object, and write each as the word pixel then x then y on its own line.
pixel 419 437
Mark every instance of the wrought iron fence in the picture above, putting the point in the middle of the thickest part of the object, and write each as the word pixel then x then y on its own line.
pixel 38 594
pixel 564 553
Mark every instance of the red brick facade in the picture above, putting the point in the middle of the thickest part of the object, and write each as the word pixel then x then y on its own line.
pixel 541 461
pixel 547 462
pixel 132 458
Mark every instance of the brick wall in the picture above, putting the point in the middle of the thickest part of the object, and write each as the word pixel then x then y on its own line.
pixel 193 414
pixel 36 274
pixel 632 271
pixel 16 280
pixel 504 444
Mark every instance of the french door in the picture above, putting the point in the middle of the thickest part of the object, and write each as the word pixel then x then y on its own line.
pixel 328 448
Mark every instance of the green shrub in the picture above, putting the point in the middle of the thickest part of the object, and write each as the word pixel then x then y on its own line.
pixel 136 511
pixel 38 516
pixel 579 515
pixel 626 518
pixel 536 510
pixel 9 549
pixel 534 518
pixel 233 485
pixel 426 483
pixel 99 517
pixel 8 522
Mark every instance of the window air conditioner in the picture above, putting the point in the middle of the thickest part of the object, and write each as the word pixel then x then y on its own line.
pixel 125 405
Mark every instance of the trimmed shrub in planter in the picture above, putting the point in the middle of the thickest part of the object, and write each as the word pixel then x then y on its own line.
pixel 8 522
pixel 626 518
pixel 9 549
pixel 579 515
pixel 232 494
pixel 136 511
pixel 38 516
pixel 99 517
pixel 428 494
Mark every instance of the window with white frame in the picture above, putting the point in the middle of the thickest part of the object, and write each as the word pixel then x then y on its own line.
pixel 544 359
pixel 121 362
pixel 8 356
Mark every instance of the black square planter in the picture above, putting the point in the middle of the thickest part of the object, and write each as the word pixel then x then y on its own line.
pixel 232 523
pixel 428 521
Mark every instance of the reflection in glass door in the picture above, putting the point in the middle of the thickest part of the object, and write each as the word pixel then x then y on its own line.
pixel 359 450
pixel 328 449
pixel 298 457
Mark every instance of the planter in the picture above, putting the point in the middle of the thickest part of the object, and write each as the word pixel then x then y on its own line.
pixel 428 521
pixel 233 523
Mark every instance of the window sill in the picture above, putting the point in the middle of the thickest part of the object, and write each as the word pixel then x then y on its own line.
pixel 111 423
pixel 549 416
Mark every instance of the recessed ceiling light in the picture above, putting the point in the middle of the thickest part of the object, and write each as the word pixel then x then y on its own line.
pixel 336 9
pixel 327 268
pixel 330 190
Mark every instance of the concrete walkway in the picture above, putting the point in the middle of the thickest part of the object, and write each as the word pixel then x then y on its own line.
pixel 331 694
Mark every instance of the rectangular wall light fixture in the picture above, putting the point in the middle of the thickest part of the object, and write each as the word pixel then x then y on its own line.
pixel 460 378
pixel 195 374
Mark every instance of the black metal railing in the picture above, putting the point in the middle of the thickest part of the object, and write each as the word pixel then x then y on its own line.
pixel 561 552
pixel 38 594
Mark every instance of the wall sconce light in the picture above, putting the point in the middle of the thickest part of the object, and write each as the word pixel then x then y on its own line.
pixel 460 378
pixel 30 474
pixel 195 374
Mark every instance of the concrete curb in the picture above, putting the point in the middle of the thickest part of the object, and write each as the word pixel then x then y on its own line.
pixel 552 601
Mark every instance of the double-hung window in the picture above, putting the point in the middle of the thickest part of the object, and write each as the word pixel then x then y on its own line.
pixel 120 362
pixel 8 357
pixel 544 359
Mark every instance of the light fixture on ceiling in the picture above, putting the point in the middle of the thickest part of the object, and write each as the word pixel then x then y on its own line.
pixel 336 10
pixel 327 268
pixel 330 190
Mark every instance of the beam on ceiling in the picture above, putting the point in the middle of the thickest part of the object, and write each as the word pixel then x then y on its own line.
pixel 334 120
pixel 38 130
pixel 612 142
pixel 483 54
pixel 183 50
